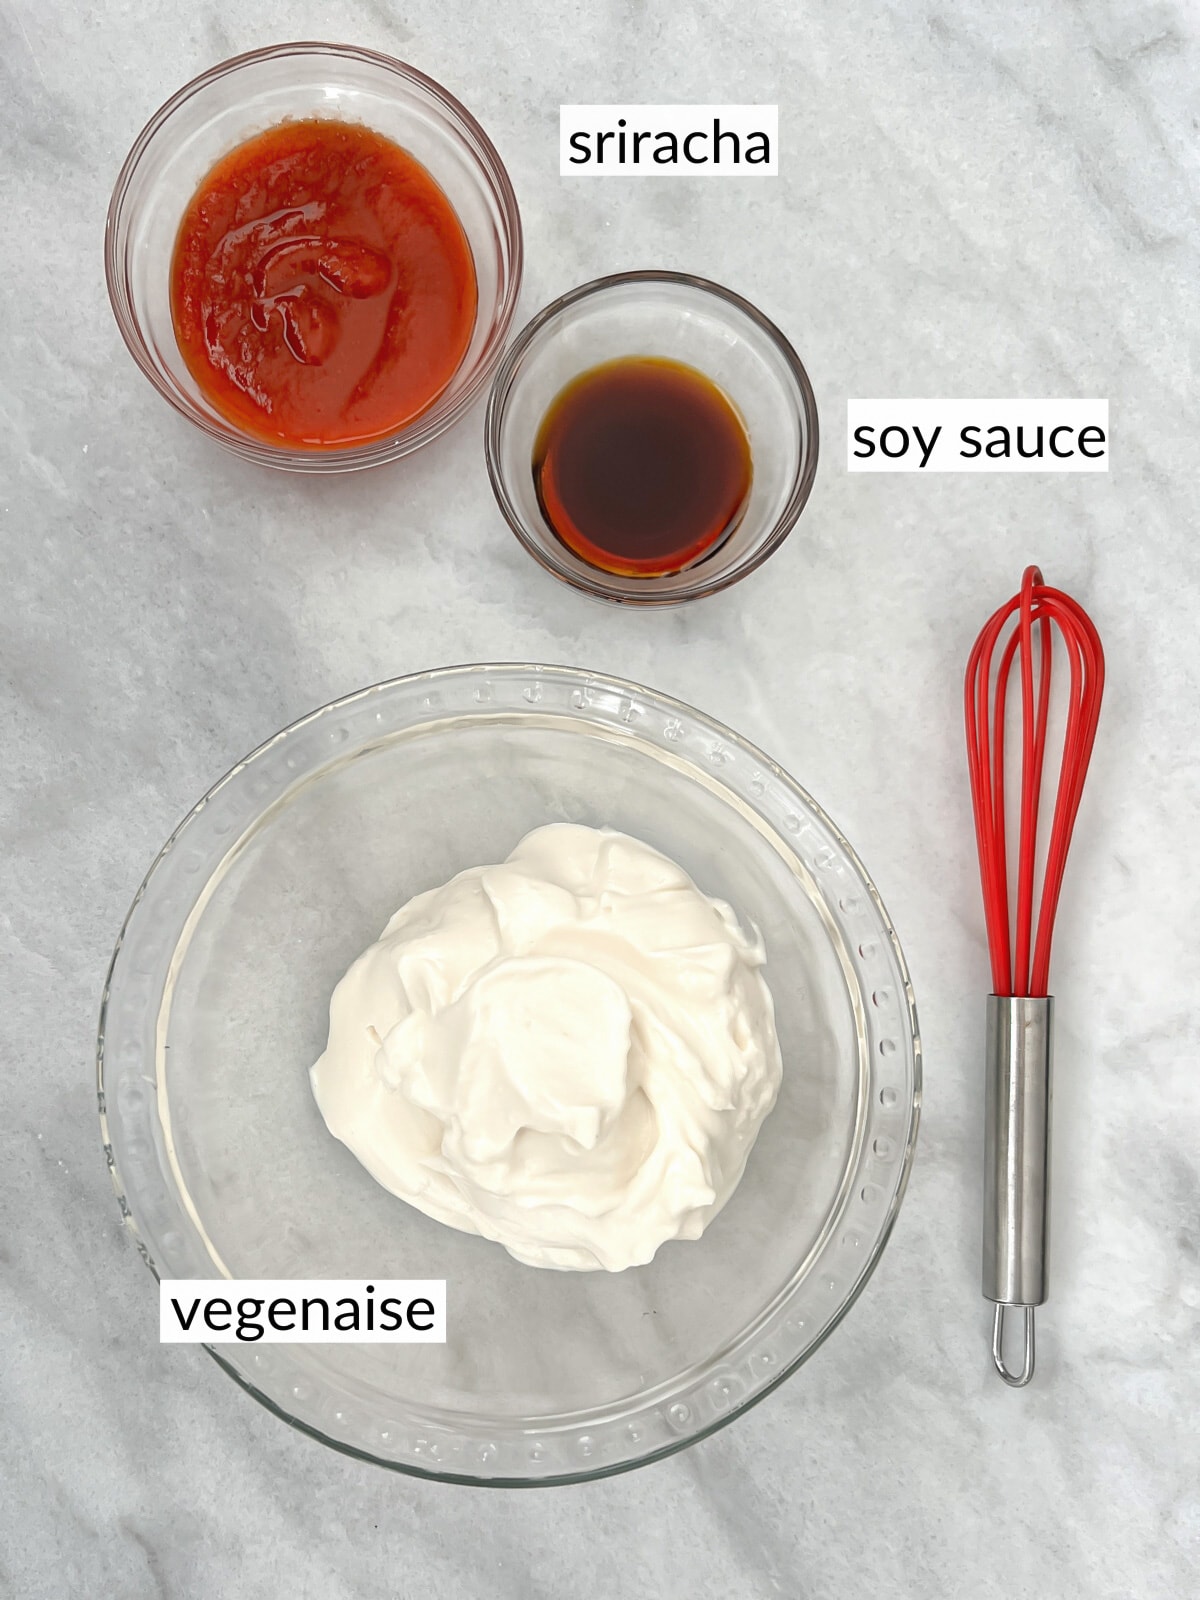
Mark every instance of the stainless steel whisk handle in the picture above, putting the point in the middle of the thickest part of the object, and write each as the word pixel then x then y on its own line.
pixel 1016 1203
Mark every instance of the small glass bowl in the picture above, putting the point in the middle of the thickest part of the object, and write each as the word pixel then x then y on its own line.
pixel 681 318
pixel 217 111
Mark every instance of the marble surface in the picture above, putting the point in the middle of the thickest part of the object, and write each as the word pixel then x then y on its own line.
pixel 974 199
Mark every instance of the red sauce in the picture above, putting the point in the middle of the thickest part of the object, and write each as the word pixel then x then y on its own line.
pixel 322 287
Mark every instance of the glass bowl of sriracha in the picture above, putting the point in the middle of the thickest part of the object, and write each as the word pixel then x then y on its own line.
pixel 314 254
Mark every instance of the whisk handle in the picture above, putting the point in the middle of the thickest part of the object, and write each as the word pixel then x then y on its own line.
pixel 1016 1208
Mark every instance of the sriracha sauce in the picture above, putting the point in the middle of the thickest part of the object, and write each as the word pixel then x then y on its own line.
pixel 322 287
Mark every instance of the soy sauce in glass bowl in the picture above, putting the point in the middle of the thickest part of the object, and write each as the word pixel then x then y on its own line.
pixel 654 319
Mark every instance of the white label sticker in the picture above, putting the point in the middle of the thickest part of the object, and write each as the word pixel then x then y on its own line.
pixel 668 141
pixel 302 1311
pixel 977 436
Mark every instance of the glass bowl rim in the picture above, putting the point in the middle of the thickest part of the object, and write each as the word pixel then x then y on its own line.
pixel 504 382
pixel 431 423
pixel 711 725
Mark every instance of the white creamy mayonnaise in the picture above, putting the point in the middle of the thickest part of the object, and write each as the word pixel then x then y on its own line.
pixel 570 1053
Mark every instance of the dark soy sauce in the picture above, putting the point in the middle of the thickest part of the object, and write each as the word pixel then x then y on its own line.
pixel 642 466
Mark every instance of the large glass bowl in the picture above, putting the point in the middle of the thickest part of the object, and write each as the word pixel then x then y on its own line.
pixel 217 1004
pixel 226 105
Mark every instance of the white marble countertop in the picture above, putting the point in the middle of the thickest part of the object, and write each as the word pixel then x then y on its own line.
pixel 975 199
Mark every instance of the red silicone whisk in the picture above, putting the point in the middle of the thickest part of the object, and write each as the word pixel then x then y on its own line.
pixel 1020 1010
